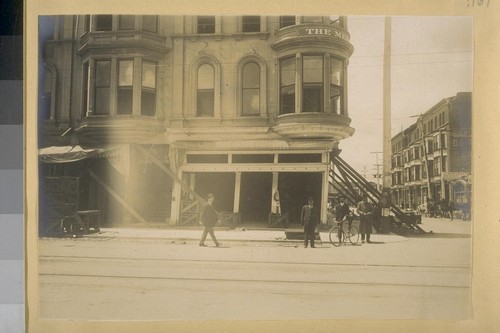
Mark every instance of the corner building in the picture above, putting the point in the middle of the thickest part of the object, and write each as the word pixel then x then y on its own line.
pixel 246 107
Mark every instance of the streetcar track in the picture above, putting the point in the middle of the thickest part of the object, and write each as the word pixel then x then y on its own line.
pixel 378 284
pixel 47 258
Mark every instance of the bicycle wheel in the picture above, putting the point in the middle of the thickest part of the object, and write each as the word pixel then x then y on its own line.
pixel 336 236
pixel 353 235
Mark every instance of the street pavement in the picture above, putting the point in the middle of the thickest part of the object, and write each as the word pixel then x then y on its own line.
pixel 232 235
pixel 162 274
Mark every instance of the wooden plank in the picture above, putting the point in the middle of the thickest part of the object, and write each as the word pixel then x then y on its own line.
pixel 115 195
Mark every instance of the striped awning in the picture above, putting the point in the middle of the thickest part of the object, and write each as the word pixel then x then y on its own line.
pixel 67 154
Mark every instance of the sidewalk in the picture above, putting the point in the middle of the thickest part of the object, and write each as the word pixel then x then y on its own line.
pixel 238 234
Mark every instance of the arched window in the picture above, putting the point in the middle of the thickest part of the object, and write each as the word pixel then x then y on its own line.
pixel 205 91
pixel 250 89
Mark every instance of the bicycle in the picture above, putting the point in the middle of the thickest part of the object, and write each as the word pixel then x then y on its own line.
pixel 339 233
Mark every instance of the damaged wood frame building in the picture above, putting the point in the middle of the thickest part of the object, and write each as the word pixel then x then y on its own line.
pixel 249 108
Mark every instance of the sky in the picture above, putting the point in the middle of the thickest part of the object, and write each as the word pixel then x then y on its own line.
pixel 432 59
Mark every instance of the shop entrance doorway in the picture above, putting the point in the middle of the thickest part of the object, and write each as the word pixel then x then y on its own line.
pixel 221 185
pixel 255 197
pixel 294 189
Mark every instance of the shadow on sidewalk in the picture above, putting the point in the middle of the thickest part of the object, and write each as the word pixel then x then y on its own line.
pixel 431 234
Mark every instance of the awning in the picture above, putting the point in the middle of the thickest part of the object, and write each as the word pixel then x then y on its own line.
pixel 67 154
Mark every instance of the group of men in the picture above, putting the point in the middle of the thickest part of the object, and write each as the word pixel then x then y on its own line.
pixel 309 217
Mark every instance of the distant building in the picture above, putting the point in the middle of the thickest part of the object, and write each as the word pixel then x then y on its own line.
pixel 432 157
pixel 246 107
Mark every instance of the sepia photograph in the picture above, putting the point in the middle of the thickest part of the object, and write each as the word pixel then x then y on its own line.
pixel 219 167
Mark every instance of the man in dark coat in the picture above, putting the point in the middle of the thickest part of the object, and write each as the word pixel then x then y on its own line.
pixel 365 211
pixel 310 218
pixel 209 219
pixel 342 212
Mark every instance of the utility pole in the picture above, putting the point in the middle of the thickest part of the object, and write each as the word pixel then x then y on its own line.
pixel 387 105
pixel 385 200
pixel 377 165
pixel 427 168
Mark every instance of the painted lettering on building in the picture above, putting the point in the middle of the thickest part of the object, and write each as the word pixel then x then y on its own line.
pixel 324 32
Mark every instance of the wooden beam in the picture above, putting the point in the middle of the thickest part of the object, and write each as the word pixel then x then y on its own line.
pixel 115 195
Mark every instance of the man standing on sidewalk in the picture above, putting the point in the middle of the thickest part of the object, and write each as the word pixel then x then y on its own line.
pixel 310 218
pixel 209 218
pixel 365 212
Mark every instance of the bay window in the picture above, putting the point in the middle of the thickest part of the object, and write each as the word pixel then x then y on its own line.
pixel 320 79
pixel 125 86
pixel 148 89
pixel 336 85
pixel 103 22
pixel 312 86
pixel 129 89
pixel 102 86
pixel 126 22
pixel 287 85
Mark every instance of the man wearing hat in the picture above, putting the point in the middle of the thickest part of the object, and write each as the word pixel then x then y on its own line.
pixel 209 218
pixel 365 212
pixel 310 218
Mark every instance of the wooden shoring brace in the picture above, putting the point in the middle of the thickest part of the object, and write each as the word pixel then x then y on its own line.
pixel 115 195
pixel 174 177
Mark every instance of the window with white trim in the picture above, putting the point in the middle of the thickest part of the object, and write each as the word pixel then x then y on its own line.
pixel 250 89
pixel 320 74
pixel 206 25
pixel 250 23
pixel 205 91
pixel 135 88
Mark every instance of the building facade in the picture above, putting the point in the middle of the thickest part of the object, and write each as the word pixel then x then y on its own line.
pixel 431 159
pixel 246 107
